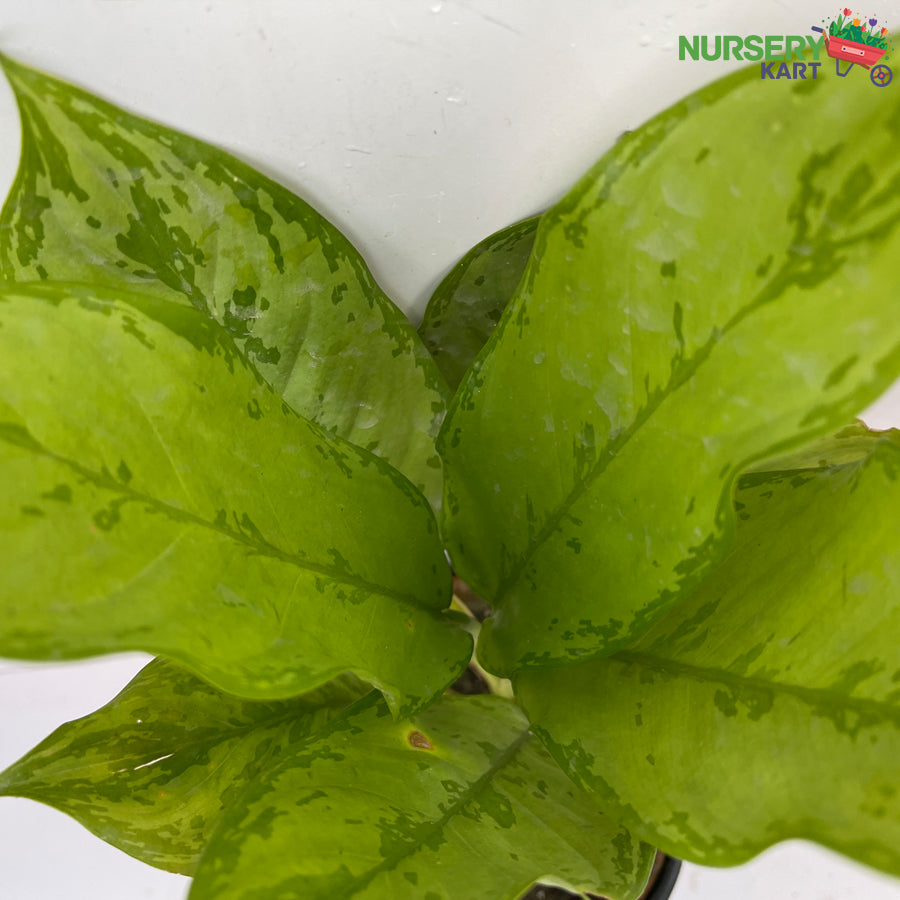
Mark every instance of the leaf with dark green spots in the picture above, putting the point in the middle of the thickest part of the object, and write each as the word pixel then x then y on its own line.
pixel 158 495
pixel 462 802
pixel 153 771
pixel 105 196
pixel 687 309
pixel 469 302
pixel 767 705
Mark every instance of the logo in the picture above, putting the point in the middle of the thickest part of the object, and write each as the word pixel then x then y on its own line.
pixel 850 39
pixel 856 40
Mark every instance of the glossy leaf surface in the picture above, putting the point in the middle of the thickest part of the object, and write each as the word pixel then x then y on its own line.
pixel 462 802
pixel 105 196
pixel 687 309
pixel 469 302
pixel 767 705
pixel 153 771
pixel 158 495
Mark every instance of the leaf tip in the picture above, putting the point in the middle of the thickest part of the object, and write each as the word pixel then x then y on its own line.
pixel 9 65
pixel 17 72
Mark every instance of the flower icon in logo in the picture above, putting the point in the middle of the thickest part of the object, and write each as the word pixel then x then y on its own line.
pixel 856 40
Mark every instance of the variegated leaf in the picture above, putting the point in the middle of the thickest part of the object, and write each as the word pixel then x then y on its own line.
pixel 467 305
pixel 153 771
pixel 103 196
pixel 767 706
pixel 717 289
pixel 462 802
pixel 158 495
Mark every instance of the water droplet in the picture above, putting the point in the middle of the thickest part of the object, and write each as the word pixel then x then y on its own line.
pixel 367 417
pixel 436 6
pixel 645 40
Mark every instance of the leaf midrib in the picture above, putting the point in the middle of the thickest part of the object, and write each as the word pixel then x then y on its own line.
pixel 612 448
pixel 237 731
pixel 105 481
pixel 436 827
pixel 227 735
pixel 683 371
pixel 808 695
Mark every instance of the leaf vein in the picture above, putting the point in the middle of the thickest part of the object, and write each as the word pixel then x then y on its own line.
pixel 256 543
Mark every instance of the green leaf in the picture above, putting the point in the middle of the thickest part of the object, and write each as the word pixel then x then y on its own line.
pixel 687 309
pixel 467 305
pixel 153 771
pixel 158 495
pixel 380 808
pixel 104 196
pixel 766 706
pixel 462 802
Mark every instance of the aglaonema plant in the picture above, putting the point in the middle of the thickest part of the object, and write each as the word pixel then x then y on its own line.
pixel 628 425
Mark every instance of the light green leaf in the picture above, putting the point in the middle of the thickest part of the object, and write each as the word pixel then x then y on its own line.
pixel 105 196
pixel 716 290
pixel 158 495
pixel 461 802
pixel 467 305
pixel 172 764
pixel 766 706
pixel 153 771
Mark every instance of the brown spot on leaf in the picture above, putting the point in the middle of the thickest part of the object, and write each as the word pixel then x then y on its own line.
pixel 418 740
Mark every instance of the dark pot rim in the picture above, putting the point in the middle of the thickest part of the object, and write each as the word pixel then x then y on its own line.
pixel 663 882
pixel 659 886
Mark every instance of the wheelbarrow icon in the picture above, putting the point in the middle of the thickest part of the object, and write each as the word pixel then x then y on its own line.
pixel 854 53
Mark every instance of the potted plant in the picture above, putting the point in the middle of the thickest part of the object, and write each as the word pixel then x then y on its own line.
pixel 628 425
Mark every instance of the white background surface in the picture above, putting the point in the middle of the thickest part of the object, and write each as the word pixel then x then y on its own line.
pixel 418 127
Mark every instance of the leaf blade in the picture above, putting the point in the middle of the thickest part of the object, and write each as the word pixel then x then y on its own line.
pixel 467 305
pixel 189 511
pixel 464 774
pixel 765 707
pixel 653 376
pixel 153 771
pixel 172 766
pixel 103 196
